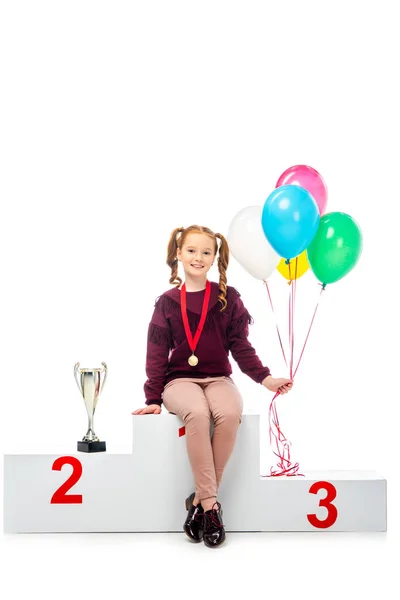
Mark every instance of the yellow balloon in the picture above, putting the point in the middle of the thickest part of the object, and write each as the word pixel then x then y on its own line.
pixel 291 272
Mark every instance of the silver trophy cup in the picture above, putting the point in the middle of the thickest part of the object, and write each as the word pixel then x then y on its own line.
pixel 90 383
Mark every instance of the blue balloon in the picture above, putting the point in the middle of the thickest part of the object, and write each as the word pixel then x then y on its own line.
pixel 290 219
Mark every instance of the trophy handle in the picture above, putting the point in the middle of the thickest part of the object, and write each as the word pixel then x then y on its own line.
pixel 76 371
pixel 105 376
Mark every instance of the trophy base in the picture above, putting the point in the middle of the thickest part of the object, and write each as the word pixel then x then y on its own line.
pixel 91 446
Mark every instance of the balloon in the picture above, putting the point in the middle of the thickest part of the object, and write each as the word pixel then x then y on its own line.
pixel 292 271
pixel 309 179
pixel 290 219
pixel 336 247
pixel 249 245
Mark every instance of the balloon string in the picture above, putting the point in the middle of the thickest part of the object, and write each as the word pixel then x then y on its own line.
pixel 292 300
pixel 280 446
pixel 309 329
pixel 294 289
pixel 276 323
pixel 279 443
pixel 290 308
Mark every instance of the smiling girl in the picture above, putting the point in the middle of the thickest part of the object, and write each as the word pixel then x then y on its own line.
pixel 193 328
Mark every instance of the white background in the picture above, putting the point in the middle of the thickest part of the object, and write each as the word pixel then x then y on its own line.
pixel 123 120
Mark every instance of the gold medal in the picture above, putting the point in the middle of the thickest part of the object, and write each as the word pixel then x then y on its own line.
pixel 193 360
pixel 193 341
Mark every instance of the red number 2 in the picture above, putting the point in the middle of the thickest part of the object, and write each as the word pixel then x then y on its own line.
pixel 60 496
pixel 326 502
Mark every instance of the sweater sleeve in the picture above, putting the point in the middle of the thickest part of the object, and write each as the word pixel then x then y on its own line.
pixel 240 347
pixel 159 344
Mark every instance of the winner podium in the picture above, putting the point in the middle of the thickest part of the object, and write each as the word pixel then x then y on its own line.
pixel 103 492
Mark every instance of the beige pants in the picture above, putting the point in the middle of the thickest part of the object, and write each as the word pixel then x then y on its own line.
pixel 196 401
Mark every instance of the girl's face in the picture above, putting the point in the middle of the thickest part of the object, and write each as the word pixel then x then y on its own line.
pixel 197 254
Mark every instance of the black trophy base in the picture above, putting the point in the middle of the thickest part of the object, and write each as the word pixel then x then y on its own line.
pixel 91 446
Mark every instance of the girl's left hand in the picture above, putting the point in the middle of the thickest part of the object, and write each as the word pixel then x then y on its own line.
pixel 279 384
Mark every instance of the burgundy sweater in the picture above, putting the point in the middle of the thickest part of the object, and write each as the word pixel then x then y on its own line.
pixel 168 350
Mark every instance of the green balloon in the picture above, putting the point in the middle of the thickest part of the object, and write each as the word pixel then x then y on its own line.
pixel 335 248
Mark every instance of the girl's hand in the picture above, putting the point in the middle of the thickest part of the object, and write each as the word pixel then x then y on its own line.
pixel 280 384
pixel 154 409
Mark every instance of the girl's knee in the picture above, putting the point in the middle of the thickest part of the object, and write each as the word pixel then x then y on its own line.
pixel 198 416
pixel 229 418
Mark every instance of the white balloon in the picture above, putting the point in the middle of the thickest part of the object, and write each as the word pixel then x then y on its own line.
pixel 248 244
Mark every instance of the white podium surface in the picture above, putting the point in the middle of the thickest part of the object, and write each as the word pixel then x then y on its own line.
pixel 146 490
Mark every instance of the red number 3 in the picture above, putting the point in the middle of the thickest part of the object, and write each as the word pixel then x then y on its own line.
pixel 60 496
pixel 326 503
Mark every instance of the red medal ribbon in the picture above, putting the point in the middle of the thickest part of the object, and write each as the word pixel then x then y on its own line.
pixel 194 341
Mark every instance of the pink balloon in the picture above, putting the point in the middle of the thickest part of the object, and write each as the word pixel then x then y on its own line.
pixel 309 179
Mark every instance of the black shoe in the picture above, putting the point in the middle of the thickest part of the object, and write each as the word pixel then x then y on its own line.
pixel 194 524
pixel 214 532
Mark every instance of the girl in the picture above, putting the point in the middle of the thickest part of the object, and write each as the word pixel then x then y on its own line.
pixel 192 330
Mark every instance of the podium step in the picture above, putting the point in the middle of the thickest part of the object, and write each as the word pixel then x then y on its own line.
pixel 145 491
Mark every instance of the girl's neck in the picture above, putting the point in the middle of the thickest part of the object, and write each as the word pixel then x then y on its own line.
pixel 195 285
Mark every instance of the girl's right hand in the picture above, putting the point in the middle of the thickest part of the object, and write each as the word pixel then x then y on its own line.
pixel 154 409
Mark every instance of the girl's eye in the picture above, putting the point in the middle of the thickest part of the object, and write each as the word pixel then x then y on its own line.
pixel 190 250
pixel 206 253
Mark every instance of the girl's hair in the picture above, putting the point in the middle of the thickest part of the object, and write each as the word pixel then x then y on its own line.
pixel 177 240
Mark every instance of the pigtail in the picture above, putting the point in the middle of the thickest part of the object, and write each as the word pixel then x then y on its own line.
pixel 172 260
pixel 223 261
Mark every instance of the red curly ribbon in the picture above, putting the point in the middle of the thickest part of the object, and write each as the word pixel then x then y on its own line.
pixel 278 439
